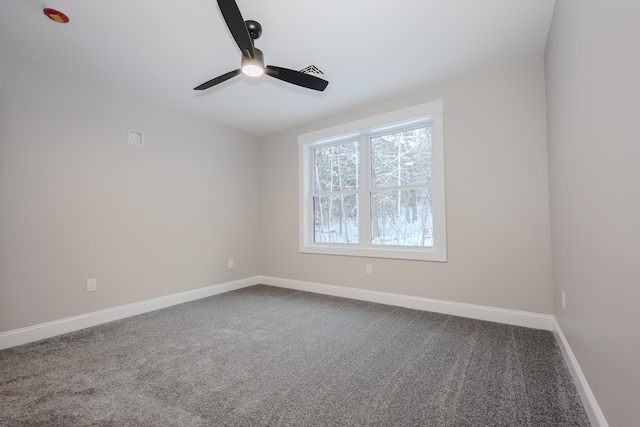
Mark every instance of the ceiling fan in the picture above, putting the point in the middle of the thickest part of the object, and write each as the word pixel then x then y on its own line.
pixel 252 63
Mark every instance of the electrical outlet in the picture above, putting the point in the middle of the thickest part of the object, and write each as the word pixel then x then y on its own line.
pixel 564 301
pixel 368 269
pixel 92 285
pixel 230 263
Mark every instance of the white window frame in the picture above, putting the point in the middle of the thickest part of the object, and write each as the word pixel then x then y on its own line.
pixel 432 112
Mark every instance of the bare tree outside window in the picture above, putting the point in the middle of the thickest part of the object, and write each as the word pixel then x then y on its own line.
pixel 335 202
pixel 401 188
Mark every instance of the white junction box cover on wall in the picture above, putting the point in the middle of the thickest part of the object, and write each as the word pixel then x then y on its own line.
pixel 135 137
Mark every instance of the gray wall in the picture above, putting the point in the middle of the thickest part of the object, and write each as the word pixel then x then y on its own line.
pixel 497 199
pixel 78 202
pixel 593 107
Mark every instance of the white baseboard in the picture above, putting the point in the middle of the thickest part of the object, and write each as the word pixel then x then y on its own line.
pixel 588 399
pixel 480 312
pixel 70 324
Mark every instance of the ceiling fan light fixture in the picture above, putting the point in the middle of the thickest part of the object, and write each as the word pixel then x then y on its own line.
pixel 253 67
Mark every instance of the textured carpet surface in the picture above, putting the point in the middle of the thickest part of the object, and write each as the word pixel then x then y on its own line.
pixel 265 356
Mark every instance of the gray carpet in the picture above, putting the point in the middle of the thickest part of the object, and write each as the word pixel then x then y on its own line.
pixel 265 356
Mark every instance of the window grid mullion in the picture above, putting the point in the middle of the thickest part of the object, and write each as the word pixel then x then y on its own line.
pixel 311 189
pixel 364 196
pixel 402 187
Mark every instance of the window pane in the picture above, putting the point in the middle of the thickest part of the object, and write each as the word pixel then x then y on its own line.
pixel 336 219
pixel 402 217
pixel 336 167
pixel 401 158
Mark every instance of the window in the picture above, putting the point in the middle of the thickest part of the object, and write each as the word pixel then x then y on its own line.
pixel 375 187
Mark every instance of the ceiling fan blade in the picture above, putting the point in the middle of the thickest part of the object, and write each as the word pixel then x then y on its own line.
pixel 218 80
pixel 297 78
pixel 237 27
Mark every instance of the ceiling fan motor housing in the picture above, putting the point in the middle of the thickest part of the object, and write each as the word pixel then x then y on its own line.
pixel 254 28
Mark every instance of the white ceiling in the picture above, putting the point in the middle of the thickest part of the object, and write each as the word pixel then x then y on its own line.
pixel 370 50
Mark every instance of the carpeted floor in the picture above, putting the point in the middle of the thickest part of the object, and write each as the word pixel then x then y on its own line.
pixel 265 356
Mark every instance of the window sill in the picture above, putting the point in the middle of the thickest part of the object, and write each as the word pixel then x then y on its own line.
pixel 422 254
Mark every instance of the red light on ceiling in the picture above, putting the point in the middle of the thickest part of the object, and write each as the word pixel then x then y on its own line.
pixel 56 15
